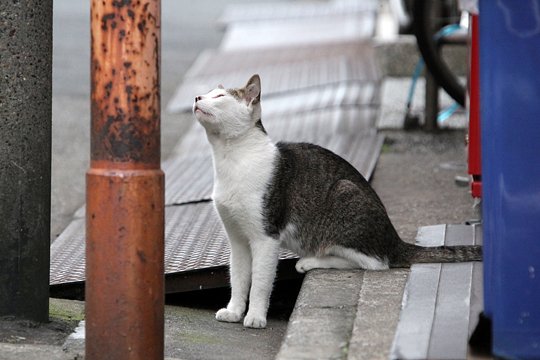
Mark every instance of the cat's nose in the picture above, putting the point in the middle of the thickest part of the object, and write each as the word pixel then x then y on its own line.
pixel 197 98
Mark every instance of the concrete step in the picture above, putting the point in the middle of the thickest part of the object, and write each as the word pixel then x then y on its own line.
pixel 345 315
pixel 377 314
pixel 323 318
pixel 426 312
pixel 441 302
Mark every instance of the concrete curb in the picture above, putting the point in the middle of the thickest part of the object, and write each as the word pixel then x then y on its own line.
pixel 323 318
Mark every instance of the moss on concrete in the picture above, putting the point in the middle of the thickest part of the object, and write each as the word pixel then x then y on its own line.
pixel 66 310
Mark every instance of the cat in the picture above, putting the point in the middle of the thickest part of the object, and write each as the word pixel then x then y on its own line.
pixel 296 195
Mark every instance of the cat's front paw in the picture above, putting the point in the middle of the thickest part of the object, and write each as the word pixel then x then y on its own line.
pixel 228 316
pixel 255 321
pixel 305 264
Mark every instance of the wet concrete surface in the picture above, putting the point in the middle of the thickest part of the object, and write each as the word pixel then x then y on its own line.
pixel 415 178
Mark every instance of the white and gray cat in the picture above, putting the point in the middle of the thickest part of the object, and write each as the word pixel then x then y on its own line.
pixel 294 195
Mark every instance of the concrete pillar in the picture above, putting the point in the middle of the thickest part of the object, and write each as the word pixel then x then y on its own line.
pixel 25 157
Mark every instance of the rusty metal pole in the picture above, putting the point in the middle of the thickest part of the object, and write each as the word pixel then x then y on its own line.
pixel 125 186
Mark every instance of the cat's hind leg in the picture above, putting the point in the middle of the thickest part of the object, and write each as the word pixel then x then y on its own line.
pixel 355 239
pixel 340 258
pixel 359 259
pixel 323 262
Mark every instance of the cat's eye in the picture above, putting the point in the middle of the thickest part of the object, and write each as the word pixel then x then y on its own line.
pixel 217 96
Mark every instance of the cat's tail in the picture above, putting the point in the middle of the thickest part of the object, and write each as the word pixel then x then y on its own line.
pixel 414 254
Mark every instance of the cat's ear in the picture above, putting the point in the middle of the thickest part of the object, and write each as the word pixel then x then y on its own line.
pixel 253 89
pixel 220 86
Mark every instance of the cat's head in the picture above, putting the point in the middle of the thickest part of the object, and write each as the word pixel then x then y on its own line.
pixel 228 113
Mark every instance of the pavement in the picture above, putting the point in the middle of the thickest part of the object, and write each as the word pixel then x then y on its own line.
pixel 357 310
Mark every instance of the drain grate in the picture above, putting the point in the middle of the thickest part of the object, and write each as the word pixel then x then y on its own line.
pixel 235 13
pixel 194 237
pixel 349 63
pixel 189 178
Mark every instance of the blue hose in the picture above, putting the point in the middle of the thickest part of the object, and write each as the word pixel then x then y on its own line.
pixel 449 111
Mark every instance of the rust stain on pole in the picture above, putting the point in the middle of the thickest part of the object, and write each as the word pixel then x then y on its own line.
pixel 125 186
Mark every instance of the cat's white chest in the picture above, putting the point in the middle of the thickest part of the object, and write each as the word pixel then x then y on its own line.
pixel 241 179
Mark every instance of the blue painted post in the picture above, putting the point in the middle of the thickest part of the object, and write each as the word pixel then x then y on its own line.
pixel 510 111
